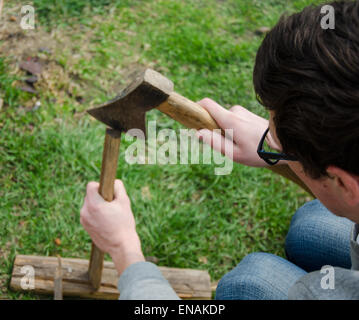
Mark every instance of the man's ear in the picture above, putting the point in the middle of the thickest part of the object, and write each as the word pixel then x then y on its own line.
pixel 346 183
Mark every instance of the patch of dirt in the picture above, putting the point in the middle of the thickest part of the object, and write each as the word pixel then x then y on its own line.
pixel 58 54
pixel 18 43
pixel 22 47
pixel 146 193
pixel 68 74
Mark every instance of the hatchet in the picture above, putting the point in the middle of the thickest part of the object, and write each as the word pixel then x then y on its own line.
pixel 149 89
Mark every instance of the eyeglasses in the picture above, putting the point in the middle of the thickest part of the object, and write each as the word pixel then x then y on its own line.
pixel 271 157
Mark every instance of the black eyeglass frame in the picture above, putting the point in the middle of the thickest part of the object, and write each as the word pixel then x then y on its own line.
pixel 271 158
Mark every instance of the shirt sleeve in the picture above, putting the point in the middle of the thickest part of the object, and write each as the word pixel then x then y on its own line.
pixel 354 247
pixel 314 286
pixel 144 281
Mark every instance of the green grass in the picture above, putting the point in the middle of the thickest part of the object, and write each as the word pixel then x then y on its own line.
pixel 184 212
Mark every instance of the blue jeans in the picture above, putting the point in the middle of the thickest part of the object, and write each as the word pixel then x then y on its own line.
pixel 316 237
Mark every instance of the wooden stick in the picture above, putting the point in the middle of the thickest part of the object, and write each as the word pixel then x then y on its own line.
pixel 106 190
pixel 58 280
pixel 187 112
pixel 286 172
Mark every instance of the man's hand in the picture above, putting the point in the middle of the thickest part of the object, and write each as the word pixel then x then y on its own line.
pixel 248 129
pixel 111 225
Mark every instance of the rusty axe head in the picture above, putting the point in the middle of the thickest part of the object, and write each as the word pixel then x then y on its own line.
pixel 128 110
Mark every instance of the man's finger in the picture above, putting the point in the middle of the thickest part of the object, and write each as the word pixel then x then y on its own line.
pixel 223 117
pixel 93 198
pixel 120 193
pixel 92 190
pixel 239 110
pixel 218 142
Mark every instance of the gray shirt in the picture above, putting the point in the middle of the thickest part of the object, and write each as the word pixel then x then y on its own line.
pixel 144 281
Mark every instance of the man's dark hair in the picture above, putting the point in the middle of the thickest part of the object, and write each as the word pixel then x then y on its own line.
pixel 309 77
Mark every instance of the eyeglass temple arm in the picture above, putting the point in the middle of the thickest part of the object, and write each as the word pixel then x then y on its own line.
pixel 285 171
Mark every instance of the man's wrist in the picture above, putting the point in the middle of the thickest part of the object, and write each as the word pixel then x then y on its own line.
pixel 127 253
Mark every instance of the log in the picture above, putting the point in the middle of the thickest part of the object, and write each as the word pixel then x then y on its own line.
pixel 187 283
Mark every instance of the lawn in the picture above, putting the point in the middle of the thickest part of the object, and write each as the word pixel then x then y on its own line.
pixel 50 148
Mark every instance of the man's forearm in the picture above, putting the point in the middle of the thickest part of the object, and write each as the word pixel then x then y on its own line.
pixel 127 255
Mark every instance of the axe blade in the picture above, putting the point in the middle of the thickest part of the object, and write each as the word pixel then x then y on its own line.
pixel 128 110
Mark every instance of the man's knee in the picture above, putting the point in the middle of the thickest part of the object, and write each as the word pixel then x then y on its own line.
pixel 317 237
pixel 303 223
pixel 248 280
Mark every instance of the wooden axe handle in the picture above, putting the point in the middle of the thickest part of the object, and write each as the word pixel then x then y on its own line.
pixel 187 112
pixel 193 116
pixel 106 190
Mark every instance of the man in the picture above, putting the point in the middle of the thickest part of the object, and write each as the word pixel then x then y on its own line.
pixel 308 79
